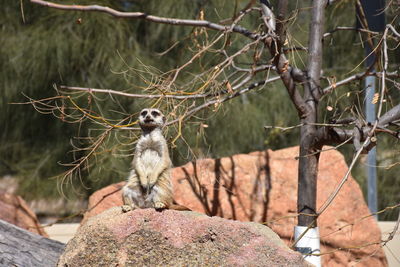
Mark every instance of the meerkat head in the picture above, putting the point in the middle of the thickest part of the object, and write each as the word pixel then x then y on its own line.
pixel 151 118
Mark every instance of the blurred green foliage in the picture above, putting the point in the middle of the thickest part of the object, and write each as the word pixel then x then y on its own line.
pixel 42 47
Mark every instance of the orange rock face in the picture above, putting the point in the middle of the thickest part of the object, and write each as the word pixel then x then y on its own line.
pixel 262 187
pixel 14 210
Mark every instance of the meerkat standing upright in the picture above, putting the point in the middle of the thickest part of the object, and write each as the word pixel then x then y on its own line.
pixel 149 183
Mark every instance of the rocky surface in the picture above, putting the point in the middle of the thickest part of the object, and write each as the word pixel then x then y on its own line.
pixel 262 187
pixel 14 210
pixel 145 237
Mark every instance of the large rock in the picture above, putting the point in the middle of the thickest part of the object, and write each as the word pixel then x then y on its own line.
pixel 145 237
pixel 262 187
pixel 13 209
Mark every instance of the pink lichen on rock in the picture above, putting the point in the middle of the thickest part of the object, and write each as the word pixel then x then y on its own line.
pixel 172 238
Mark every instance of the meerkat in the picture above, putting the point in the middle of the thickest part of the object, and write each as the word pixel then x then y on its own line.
pixel 149 182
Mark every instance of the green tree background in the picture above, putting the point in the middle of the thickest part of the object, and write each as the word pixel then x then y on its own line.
pixel 43 47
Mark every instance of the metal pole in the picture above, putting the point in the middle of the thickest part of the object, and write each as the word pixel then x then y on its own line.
pixel 370 117
pixel 373 13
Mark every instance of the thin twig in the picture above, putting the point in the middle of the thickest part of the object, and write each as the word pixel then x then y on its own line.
pixel 357 76
pixel 327 34
pixel 393 232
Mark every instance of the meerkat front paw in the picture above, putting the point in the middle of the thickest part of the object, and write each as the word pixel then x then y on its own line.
pixel 126 208
pixel 159 205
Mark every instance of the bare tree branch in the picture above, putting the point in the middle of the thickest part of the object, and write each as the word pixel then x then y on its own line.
pixel 328 135
pixel 357 76
pixel 280 61
pixel 331 32
pixel 168 95
pixel 390 116
pixel 393 30
pixel 115 92
pixel 141 15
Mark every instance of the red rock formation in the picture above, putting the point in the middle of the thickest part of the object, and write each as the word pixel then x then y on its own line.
pixel 14 210
pixel 145 237
pixel 262 187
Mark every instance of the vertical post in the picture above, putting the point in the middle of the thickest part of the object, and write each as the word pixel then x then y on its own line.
pixel 371 15
pixel 370 117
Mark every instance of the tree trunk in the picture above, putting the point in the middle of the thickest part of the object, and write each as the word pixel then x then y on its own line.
pixel 309 148
pixel 19 247
pixel 308 172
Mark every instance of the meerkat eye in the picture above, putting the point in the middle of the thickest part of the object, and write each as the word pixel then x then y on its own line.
pixel 155 113
pixel 144 113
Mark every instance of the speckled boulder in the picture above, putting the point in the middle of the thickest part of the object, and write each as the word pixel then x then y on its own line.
pixel 146 237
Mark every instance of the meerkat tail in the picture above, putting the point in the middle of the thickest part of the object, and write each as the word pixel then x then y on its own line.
pixel 178 207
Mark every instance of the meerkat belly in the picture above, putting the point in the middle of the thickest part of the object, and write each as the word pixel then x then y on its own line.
pixel 150 159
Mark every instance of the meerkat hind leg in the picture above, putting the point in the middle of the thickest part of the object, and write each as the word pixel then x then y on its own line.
pixel 161 194
pixel 132 194
pixel 128 202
